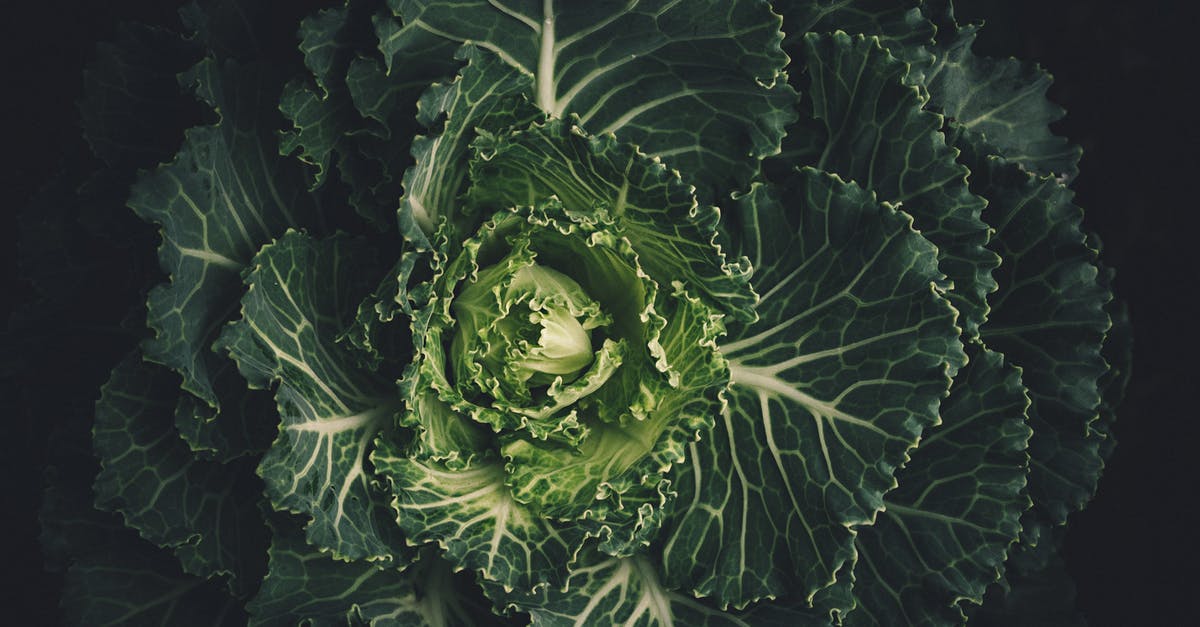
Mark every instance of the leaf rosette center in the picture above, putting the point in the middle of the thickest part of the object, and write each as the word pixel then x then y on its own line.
pixel 552 355
pixel 525 331
pixel 546 326
pixel 565 355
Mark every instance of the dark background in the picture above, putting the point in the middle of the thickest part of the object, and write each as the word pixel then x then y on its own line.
pixel 1124 73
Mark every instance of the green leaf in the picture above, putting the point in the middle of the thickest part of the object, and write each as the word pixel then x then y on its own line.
pixel 301 293
pixel 854 349
pixel 372 157
pixel 380 343
pixel 132 107
pixel 238 430
pixel 487 94
pixel 1048 318
pixel 112 577
pixel 674 236
pixel 354 112
pixel 376 131
pixel 71 526
pixel 868 126
pixel 1004 102
pixel 322 113
pixel 228 29
pixel 306 586
pixel 472 516
pixel 606 590
pixel 1118 354
pixel 223 197
pixel 133 584
pixel 900 25
pixel 205 511
pixel 699 85
pixel 405 47
pixel 944 533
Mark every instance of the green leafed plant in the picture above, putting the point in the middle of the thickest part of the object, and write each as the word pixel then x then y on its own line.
pixel 645 312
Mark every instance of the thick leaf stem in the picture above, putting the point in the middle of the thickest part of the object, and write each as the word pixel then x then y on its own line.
pixel 545 69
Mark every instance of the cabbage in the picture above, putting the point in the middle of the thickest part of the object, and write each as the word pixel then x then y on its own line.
pixel 647 312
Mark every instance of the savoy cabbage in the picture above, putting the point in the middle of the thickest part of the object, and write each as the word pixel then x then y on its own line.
pixel 620 312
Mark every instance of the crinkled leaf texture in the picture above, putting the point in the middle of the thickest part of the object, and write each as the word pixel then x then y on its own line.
pixel 853 350
pixel 649 312
pixel 300 292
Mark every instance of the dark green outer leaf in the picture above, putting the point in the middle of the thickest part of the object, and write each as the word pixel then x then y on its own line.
pixel 132 107
pixel 404 46
pixel 361 114
pixel 320 113
pixel 238 430
pixel 1048 318
pixel 1118 354
pixel 852 353
pixel 137 586
pixel 301 293
pixel 605 590
pixel 246 29
pixel 372 159
pixel 900 25
pixel 355 113
pixel 381 342
pixel 945 531
pixel 1004 102
pixel 307 586
pixel 869 126
pixel 112 576
pixel 224 195
pixel 206 512
pixel 699 85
